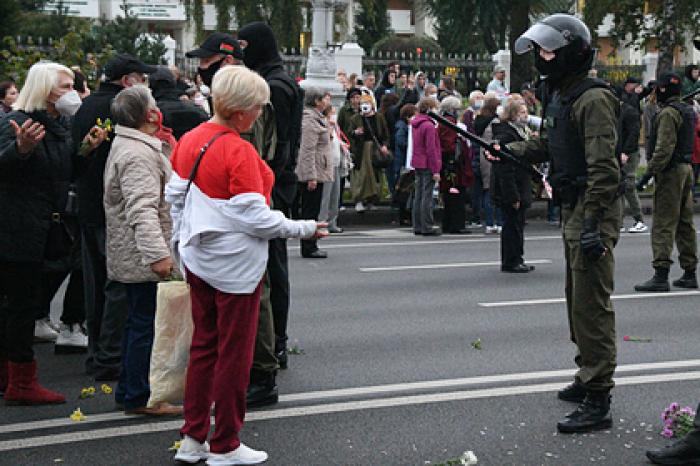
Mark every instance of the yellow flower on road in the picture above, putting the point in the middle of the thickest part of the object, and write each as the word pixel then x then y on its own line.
pixel 106 389
pixel 77 416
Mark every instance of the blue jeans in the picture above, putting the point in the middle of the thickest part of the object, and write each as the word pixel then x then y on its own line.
pixel 133 389
pixel 552 211
pixel 492 214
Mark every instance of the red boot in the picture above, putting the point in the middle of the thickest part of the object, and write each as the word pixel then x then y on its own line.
pixel 24 389
pixel 3 376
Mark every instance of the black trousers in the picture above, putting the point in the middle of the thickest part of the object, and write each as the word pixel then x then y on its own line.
pixel 20 285
pixel 106 305
pixel 310 206
pixel 512 236
pixel 73 300
pixel 454 217
pixel 278 274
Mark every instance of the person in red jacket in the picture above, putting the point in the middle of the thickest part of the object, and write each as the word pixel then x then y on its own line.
pixel 427 161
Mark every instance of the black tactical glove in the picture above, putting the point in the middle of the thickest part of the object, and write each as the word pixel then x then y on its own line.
pixel 643 181
pixel 591 244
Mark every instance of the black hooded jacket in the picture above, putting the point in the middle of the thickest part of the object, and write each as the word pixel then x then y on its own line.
pixel 178 115
pixel 261 55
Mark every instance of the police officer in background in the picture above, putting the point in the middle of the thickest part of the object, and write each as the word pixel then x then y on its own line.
pixel 579 137
pixel 673 140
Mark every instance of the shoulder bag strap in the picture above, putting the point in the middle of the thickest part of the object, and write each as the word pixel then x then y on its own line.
pixel 202 151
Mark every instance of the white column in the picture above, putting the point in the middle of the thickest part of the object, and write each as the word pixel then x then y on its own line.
pixel 170 46
pixel 651 61
pixel 349 57
pixel 502 58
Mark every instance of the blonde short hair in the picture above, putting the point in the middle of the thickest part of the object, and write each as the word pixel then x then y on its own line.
pixel 236 88
pixel 41 80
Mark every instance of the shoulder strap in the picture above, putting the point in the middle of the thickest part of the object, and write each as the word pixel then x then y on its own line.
pixel 202 151
pixel 583 86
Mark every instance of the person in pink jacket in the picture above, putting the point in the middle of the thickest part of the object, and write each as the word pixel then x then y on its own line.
pixel 427 161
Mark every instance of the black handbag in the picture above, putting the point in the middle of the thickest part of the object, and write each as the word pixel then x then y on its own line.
pixel 379 160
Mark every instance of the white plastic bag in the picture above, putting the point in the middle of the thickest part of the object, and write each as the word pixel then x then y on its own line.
pixel 171 345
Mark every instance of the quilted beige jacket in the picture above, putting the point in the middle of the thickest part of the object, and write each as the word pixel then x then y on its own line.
pixel 314 161
pixel 137 216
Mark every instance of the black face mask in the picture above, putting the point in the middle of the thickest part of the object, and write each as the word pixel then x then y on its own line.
pixel 552 69
pixel 208 74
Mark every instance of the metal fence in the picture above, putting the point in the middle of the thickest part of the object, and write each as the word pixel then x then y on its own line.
pixel 469 71
pixel 617 74
pixel 294 63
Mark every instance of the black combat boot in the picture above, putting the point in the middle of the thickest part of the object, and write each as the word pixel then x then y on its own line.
pixel 680 452
pixel 659 282
pixel 688 280
pixel 281 355
pixel 574 392
pixel 592 414
pixel 262 390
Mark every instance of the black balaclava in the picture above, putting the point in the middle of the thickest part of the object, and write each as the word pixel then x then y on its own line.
pixel 207 75
pixel 671 84
pixel 262 45
pixel 573 59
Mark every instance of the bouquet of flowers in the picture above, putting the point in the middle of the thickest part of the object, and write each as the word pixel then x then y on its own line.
pixel 677 421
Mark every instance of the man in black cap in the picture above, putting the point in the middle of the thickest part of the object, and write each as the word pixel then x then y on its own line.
pixel 627 150
pixel 178 115
pixel 217 50
pixel 260 54
pixel 105 300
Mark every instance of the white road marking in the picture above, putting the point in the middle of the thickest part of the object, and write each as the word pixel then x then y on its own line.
pixel 375 390
pixel 531 302
pixel 444 266
pixel 393 402
pixel 419 242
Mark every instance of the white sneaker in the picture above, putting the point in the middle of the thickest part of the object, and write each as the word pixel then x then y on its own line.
pixel 359 207
pixel 623 229
pixel 639 227
pixel 71 339
pixel 241 455
pixel 44 330
pixel 491 230
pixel 499 229
pixel 191 451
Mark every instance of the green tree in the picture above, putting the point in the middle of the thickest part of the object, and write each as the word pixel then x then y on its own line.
pixel 372 22
pixel 127 35
pixel 640 23
pixel 286 20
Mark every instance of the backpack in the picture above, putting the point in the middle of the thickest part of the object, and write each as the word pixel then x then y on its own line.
pixel 295 92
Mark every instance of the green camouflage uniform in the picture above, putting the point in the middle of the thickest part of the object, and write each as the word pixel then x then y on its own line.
pixel 589 283
pixel 263 135
pixel 673 196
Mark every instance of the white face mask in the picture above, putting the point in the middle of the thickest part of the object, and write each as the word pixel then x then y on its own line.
pixel 478 104
pixel 69 103
pixel 365 108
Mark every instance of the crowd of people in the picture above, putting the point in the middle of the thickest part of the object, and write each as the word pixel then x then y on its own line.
pixel 152 174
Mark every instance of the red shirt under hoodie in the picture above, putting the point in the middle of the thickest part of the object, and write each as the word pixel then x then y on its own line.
pixel 231 165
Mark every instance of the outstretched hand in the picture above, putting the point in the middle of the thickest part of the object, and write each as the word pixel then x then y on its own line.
pixel 321 230
pixel 28 135
pixel 490 157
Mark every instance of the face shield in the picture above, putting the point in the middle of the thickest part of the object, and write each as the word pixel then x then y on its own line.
pixel 541 35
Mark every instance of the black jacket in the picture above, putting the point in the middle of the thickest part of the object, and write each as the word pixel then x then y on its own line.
pixel 89 170
pixel 629 127
pixel 32 187
pixel 512 183
pixel 178 115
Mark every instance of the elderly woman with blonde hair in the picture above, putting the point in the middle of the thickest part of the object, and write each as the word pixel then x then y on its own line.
pixel 220 195
pixel 35 171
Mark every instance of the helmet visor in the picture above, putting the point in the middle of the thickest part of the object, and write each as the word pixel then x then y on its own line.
pixel 541 35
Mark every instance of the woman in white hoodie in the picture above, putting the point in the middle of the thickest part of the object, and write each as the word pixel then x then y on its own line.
pixel 222 222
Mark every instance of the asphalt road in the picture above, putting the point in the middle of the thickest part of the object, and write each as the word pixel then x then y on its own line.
pixel 389 376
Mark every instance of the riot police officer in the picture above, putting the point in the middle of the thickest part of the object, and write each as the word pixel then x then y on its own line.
pixel 672 139
pixel 579 139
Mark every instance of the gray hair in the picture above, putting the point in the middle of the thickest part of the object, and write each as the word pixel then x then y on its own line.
pixel 130 107
pixel 312 95
pixel 451 104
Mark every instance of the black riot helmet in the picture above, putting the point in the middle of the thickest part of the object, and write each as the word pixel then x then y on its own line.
pixel 668 85
pixel 565 35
